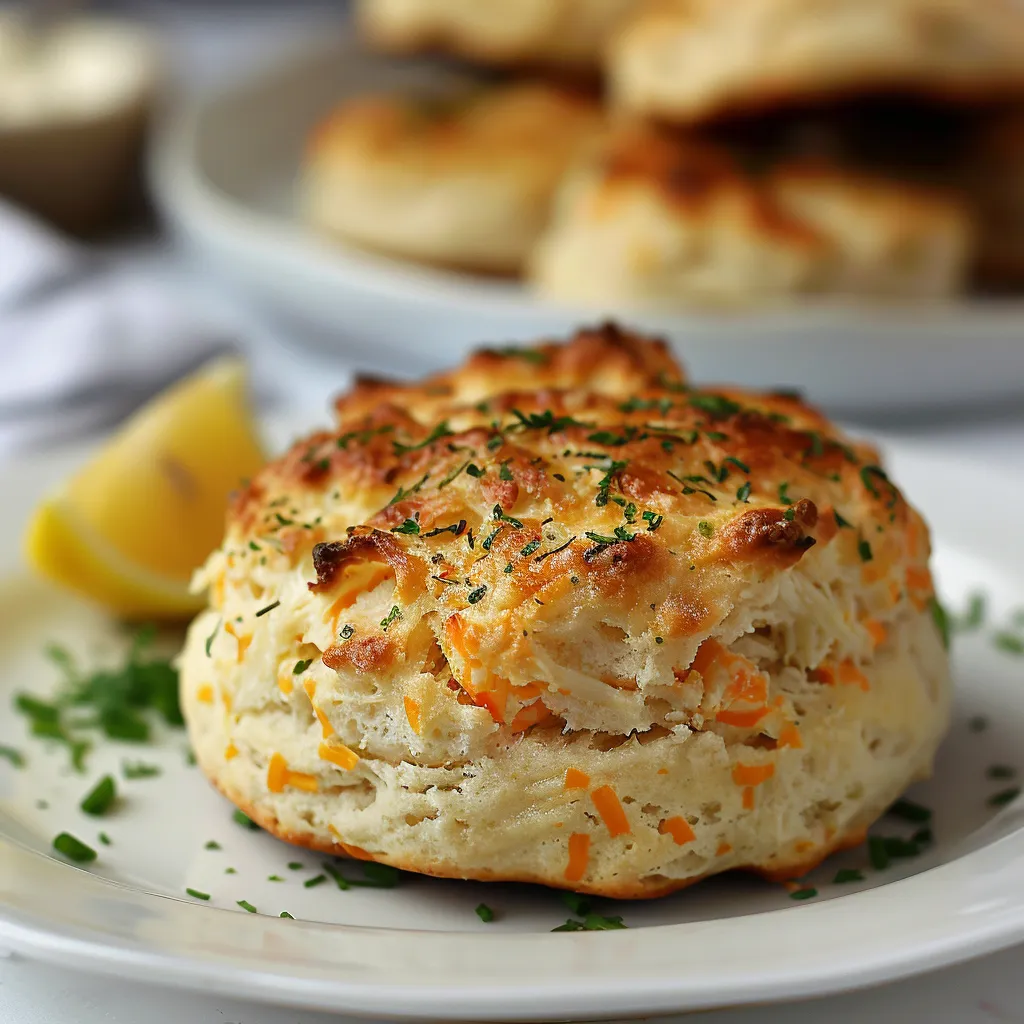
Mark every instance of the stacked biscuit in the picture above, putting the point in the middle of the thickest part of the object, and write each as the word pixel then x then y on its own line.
pixel 744 151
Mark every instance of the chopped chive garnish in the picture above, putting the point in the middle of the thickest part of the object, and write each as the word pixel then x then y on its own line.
pixel 410 526
pixel 339 878
pixel 973 617
pixel 99 800
pixel 1004 797
pixel 864 550
pixel 485 913
pixel 74 849
pixel 878 853
pixel 197 895
pixel 803 894
pixel 246 905
pixel 705 528
pixel 842 523
pixel 1000 771
pixel 529 549
pixel 274 878
pixel 230 871
pixel 268 608
pixel 1009 642
pixel 104 839
pixel 240 818
pixel 209 640
pixel 212 844
pixel 316 880
pixel 476 595
pixel 15 757
pixel 285 914
pixel 941 620
pixel 743 493
pixel 653 520
pixel 140 770
pixel 301 666
pixel 844 875
pixel 295 865
pixel 579 905
pixel 910 811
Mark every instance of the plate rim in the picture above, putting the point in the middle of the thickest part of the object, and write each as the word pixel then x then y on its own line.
pixel 607 974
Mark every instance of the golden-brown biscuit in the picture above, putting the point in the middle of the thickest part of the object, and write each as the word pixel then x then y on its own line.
pixel 691 60
pixel 466 183
pixel 654 218
pixel 561 617
pixel 563 33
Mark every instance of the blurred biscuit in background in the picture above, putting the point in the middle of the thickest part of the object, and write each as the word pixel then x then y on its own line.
pixel 465 183
pixel 663 219
pixel 568 33
pixel 694 60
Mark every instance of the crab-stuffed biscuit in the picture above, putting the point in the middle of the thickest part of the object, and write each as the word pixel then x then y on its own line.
pixel 560 616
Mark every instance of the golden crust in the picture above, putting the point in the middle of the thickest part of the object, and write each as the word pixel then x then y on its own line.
pixel 464 180
pixel 664 218
pixel 694 60
pixel 558 616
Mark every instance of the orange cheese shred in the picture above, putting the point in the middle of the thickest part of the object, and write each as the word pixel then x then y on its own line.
pixel 300 780
pixel 579 854
pixel 919 578
pixel 242 641
pixel 277 774
pixel 230 751
pixel 532 714
pixel 741 719
pixel 607 803
pixel 877 631
pixel 748 798
pixel 340 755
pixel 790 737
pixel 678 828
pixel 850 675
pixel 325 726
pixel 723 849
pixel 412 712
pixel 285 684
pixel 205 693
pixel 752 774
pixel 575 779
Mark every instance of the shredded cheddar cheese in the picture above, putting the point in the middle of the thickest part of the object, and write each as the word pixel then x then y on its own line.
pixel 243 641
pixel 325 726
pixel 279 776
pixel 579 854
pixel 340 755
pixel 877 631
pixel 607 803
pixel 412 712
pixel 230 751
pixel 752 774
pixel 789 737
pixel 723 849
pixel 285 684
pixel 205 694
pixel 678 828
pixel 575 779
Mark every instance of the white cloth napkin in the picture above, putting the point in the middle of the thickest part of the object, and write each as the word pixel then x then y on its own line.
pixel 83 339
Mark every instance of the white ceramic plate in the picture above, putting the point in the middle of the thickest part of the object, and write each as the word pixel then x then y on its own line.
pixel 419 951
pixel 224 169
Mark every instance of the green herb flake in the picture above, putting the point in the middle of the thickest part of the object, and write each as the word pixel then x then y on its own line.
pixel 140 770
pixel 846 875
pixel 910 811
pixel 410 526
pixel 1000 771
pixel 717 407
pixel 864 550
pixel 267 609
pixel 312 883
pixel 653 520
pixel 842 523
pixel 209 640
pixel 230 871
pixel 485 913
pixel 878 853
pixel 743 492
pixel 274 878
pixel 212 844
pixel 339 879
pixel 1010 643
pixel 395 613
pixel 286 915
pixel 440 431
pixel 784 497
pixel 505 473
pixel 529 549
pixel 941 620
pixel 803 894
pixel 475 471
pixel 295 865
pixel 197 895
pixel 100 798
pixel 241 818
pixel 974 617
pixel 247 906
pixel 74 849
pixel 578 904
pixel 1004 797
pixel 301 666
pixel 14 757
pixel 705 529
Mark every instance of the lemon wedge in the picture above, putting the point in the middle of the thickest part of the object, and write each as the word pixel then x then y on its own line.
pixel 132 525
